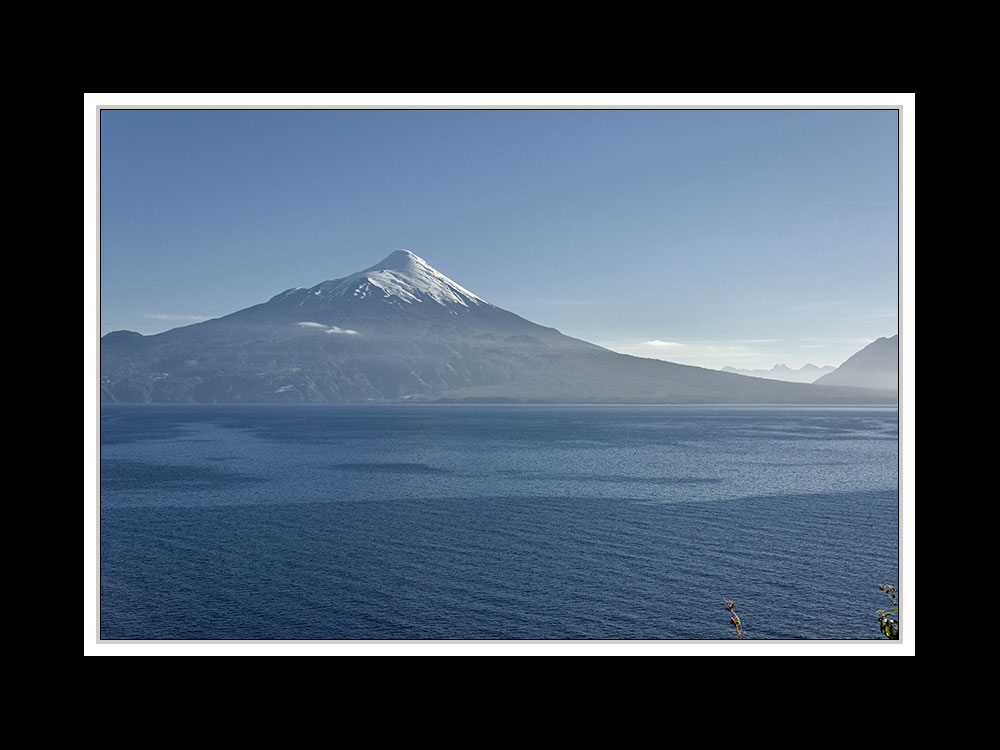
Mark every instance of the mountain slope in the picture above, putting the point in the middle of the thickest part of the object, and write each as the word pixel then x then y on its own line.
pixel 400 330
pixel 805 374
pixel 875 366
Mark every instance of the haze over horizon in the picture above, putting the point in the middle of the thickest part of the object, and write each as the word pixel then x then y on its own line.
pixel 744 238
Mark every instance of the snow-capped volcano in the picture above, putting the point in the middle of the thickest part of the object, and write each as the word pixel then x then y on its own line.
pixel 399 278
pixel 402 331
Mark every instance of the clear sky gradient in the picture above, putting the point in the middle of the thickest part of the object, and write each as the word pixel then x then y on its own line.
pixel 706 237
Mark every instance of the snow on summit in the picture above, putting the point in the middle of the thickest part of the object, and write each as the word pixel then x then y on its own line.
pixel 400 275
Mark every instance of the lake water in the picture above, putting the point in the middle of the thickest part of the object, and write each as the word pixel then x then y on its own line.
pixel 495 522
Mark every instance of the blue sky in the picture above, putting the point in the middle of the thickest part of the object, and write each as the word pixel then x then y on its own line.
pixel 707 237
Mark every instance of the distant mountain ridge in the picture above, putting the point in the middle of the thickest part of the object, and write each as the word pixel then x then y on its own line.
pixel 806 374
pixel 402 331
pixel 875 366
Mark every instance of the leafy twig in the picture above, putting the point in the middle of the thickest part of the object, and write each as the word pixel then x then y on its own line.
pixel 734 619
pixel 886 623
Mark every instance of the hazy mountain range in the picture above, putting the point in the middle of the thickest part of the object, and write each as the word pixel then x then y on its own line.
pixel 402 331
pixel 805 374
pixel 875 366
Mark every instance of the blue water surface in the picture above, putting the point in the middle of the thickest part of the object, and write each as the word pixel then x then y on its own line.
pixel 495 522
